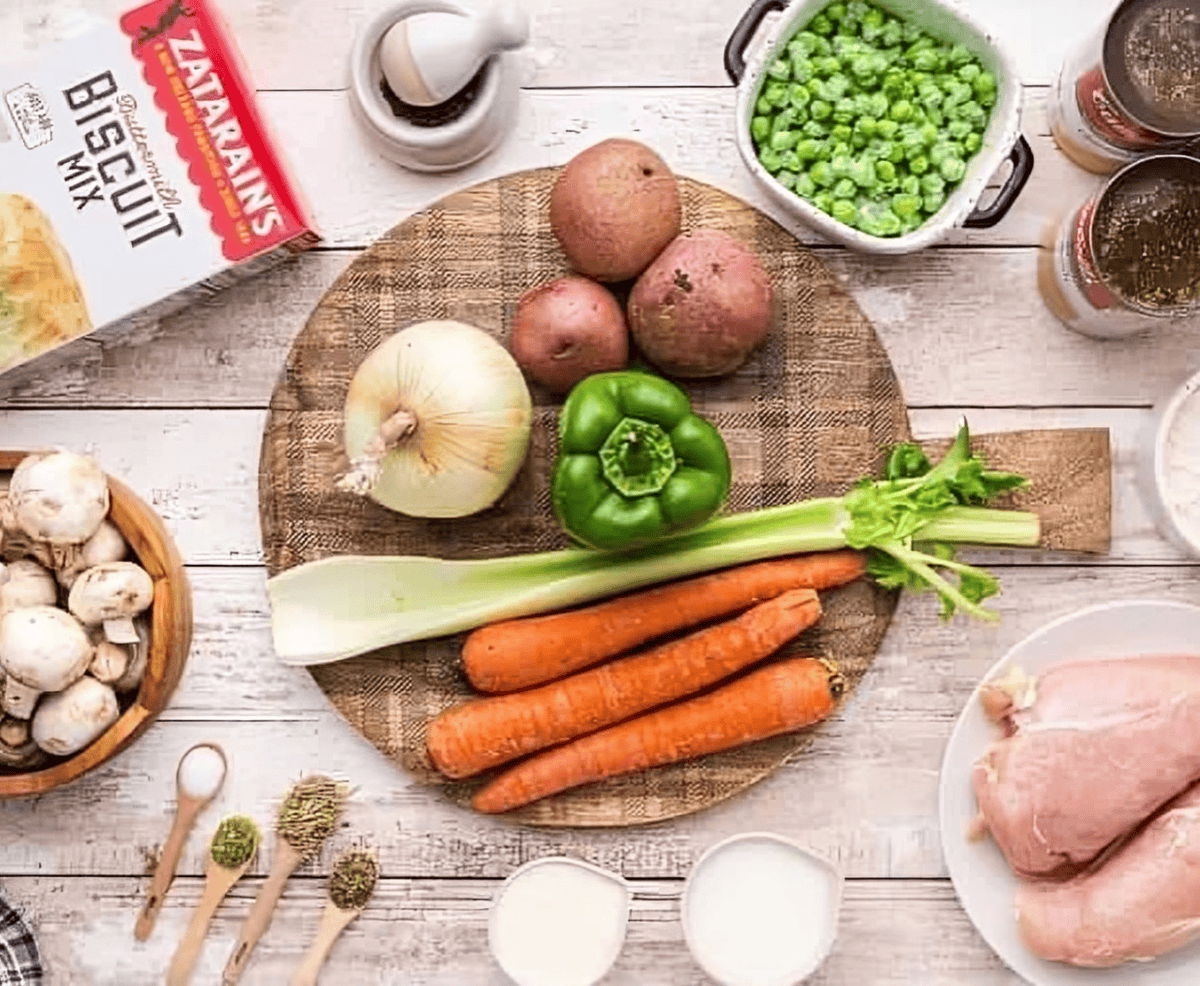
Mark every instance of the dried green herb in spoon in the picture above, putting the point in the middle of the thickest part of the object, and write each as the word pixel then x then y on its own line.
pixel 310 813
pixel 350 887
pixel 235 841
pixel 353 879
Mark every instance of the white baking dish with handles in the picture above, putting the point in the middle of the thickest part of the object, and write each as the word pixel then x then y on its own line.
pixel 1001 141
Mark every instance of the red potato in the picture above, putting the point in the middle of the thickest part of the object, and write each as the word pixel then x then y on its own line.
pixel 703 305
pixel 613 209
pixel 566 330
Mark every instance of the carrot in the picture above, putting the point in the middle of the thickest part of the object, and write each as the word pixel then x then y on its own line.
pixel 776 699
pixel 489 731
pixel 516 654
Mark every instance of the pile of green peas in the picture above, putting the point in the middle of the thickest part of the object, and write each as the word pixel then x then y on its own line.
pixel 870 118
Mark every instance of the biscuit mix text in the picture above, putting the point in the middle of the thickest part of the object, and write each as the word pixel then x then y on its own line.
pixel 107 169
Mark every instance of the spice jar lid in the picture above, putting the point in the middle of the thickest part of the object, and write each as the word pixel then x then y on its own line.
pixel 1152 63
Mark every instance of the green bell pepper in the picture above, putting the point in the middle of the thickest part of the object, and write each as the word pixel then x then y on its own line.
pixel 635 464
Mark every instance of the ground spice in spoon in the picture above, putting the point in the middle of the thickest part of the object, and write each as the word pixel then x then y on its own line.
pixel 234 842
pixel 353 879
pixel 310 813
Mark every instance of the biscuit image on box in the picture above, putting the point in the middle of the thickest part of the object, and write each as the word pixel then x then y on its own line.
pixel 41 301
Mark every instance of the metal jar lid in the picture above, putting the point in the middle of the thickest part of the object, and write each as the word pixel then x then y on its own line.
pixel 1145 226
pixel 1151 64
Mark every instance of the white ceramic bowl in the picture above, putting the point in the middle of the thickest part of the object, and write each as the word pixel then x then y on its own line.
pixel 449 146
pixel 1001 141
pixel 985 885
pixel 1152 473
pixel 513 973
pixel 688 908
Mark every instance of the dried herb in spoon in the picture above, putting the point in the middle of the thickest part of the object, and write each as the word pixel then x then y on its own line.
pixel 235 841
pixel 353 879
pixel 310 813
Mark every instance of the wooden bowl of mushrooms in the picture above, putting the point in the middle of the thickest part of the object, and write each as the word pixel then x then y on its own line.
pixel 95 618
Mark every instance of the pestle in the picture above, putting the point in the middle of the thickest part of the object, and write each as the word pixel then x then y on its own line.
pixel 427 58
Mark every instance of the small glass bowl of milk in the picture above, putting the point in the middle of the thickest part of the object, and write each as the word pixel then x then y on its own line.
pixel 1170 470
pixel 558 921
pixel 761 910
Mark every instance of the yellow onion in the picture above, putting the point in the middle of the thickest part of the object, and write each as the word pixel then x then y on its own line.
pixel 436 422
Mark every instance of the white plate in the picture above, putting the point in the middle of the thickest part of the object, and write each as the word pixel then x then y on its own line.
pixel 985 885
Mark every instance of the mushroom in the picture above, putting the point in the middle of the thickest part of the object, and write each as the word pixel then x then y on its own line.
pixel 42 649
pixel 106 545
pixel 110 662
pixel 112 594
pixel 139 654
pixel 17 748
pixel 58 497
pixel 67 722
pixel 26 584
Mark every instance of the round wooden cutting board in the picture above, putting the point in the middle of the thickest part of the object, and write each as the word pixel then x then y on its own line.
pixel 808 414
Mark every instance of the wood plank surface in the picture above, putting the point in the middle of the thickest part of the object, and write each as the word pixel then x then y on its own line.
pixel 865 793
pixel 198 467
pixel 303 44
pixel 434 933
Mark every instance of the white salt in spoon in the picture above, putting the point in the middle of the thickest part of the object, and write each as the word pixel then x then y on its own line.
pixel 198 778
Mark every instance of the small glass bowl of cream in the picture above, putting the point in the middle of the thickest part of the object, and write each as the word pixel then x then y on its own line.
pixel 760 910
pixel 1171 466
pixel 558 921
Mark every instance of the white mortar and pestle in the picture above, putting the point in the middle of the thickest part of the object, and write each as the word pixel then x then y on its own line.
pixel 435 82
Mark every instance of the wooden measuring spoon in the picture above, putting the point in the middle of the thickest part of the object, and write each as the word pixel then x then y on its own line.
pixel 188 806
pixel 350 887
pixel 333 923
pixel 218 880
pixel 284 862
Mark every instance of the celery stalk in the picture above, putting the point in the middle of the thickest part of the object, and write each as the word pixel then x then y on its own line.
pixel 333 609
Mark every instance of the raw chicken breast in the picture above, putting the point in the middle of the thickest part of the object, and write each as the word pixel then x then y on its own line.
pixel 1144 900
pixel 1094 747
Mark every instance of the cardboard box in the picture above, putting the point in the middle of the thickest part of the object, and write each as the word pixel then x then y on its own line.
pixel 136 175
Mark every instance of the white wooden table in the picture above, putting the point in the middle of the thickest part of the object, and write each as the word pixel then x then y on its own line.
pixel 178 413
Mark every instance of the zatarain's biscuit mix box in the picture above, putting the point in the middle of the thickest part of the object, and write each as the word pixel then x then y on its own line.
pixel 136 175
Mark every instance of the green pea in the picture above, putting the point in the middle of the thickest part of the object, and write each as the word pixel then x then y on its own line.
pixel 905 204
pixel 892 33
pixel 836 12
pixel 933 201
pixel 844 110
pixel 932 181
pixel 764 105
pixel 840 165
pixel 780 69
pixel 820 110
pixel 805 186
pixel 770 160
pixel 802 69
pixel 972 143
pixel 821 25
pixel 953 169
pixel 814 129
pixel 844 211
pixel 776 93
pixel 885 171
pixel 900 110
pixel 887 127
pixel 958 128
pixel 786 178
pixel 845 189
pixel 823 200
pixel 969 72
pixel 783 140
pixel 841 134
pixel 798 94
pixel 863 174
pixel 821 173
pixel 910 185
pixel 925 60
pixel 836 87
pixel 760 128
pixel 984 82
pixel 960 54
pixel 809 149
pixel 918 165
pixel 783 120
